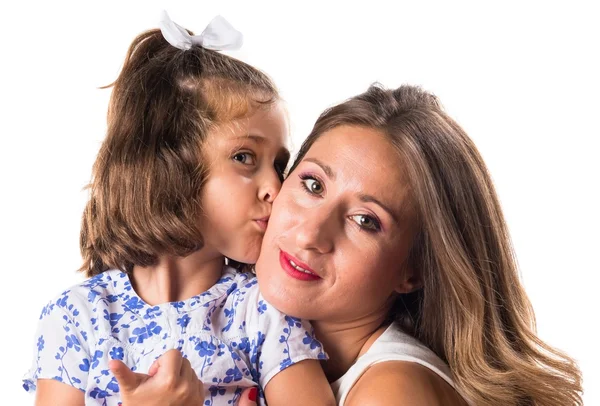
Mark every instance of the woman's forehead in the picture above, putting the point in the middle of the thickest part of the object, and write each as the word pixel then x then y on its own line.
pixel 362 159
pixel 359 150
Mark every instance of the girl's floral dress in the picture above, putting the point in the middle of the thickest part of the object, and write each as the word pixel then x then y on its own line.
pixel 232 337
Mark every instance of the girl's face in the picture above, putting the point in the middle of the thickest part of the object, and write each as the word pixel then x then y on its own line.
pixel 246 160
pixel 340 231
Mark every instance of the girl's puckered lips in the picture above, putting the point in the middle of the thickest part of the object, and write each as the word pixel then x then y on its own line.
pixel 262 222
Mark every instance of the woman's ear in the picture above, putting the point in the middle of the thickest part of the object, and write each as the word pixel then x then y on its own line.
pixel 410 281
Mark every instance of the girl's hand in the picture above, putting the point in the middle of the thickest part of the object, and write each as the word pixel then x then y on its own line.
pixel 171 381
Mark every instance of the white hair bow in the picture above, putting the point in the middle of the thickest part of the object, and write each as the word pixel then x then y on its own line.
pixel 218 35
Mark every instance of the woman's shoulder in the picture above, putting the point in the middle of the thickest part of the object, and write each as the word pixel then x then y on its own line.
pixel 402 383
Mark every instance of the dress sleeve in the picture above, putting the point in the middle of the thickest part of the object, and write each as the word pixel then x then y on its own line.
pixel 61 351
pixel 281 341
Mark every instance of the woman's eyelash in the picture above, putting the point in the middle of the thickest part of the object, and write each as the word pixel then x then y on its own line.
pixel 376 224
pixel 305 177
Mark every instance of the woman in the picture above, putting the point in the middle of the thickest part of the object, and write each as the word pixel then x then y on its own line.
pixel 387 231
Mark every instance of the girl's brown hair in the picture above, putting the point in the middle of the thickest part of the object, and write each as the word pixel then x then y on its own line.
pixel 146 181
pixel 472 310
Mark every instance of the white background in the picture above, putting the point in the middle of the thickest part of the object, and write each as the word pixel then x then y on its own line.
pixel 520 77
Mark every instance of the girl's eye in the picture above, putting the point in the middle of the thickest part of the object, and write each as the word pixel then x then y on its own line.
pixel 366 222
pixel 245 158
pixel 312 186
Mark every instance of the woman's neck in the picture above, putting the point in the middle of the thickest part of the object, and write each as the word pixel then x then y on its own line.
pixel 175 279
pixel 345 342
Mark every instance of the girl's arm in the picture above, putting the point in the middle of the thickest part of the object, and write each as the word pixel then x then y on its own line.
pixel 61 363
pixel 303 383
pixel 49 390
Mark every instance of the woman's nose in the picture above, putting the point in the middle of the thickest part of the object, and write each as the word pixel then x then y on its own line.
pixel 316 230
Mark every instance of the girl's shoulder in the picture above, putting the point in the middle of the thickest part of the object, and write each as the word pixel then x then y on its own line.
pixel 86 293
pixel 84 303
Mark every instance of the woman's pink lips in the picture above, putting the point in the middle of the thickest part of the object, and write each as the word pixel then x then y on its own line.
pixel 284 260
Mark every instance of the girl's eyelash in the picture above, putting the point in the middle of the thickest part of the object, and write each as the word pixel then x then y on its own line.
pixel 242 152
pixel 280 167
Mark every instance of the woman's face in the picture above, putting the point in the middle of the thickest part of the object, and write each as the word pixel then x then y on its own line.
pixel 340 230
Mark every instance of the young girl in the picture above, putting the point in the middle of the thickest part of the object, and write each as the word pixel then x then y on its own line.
pixel 193 158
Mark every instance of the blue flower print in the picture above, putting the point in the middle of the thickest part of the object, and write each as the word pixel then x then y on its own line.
pixel 285 363
pixel 310 340
pixel 293 321
pixel 96 358
pixel 134 303
pixel 205 349
pixel 262 307
pixel 62 302
pixel 40 343
pixel 85 367
pixel 113 318
pixel 113 385
pixel 117 353
pixel 215 390
pixel 153 312
pixel 244 345
pixel 98 393
pixel 233 375
pixel 183 321
pixel 231 288
pixel 73 342
pixel 92 295
pixel 142 333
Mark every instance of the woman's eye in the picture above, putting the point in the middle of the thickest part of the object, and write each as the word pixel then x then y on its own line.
pixel 366 222
pixel 244 157
pixel 313 186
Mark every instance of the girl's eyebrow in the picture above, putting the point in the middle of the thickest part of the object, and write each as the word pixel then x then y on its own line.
pixel 259 139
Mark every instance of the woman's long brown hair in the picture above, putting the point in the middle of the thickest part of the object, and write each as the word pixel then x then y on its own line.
pixel 472 309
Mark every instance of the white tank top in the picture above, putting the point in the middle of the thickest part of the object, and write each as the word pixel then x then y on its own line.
pixel 392 345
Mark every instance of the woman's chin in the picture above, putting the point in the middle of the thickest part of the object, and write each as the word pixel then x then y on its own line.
pixel 289 303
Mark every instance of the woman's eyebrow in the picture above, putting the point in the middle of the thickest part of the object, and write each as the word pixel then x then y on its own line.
pixel 326 168
pixel 371 199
